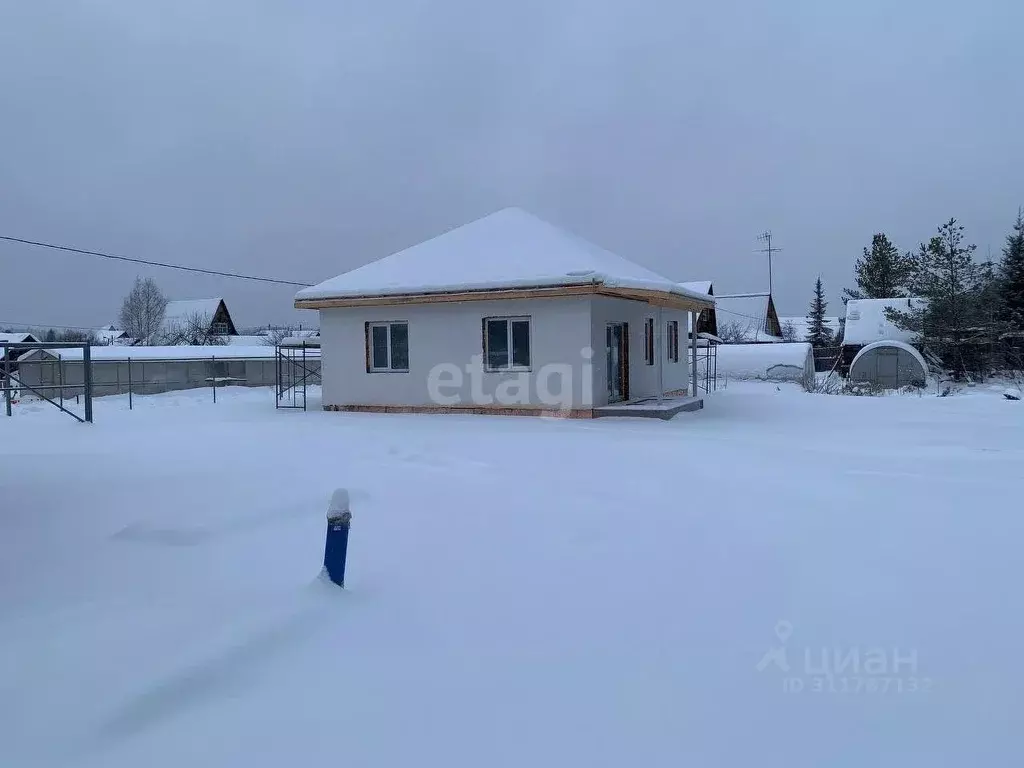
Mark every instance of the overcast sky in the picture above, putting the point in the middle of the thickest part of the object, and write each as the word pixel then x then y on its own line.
pixel 302 139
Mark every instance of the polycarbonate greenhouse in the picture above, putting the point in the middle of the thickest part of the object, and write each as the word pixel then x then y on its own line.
pixel 889 365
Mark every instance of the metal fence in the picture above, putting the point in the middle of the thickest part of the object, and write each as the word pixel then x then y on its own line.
pixel 147 377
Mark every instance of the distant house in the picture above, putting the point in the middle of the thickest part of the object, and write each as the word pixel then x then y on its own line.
pixel 866 323
pixel 9 356
pixel 179 317
pixel 108 334
pixel 707 321
pixel 748 318
pixel 507 314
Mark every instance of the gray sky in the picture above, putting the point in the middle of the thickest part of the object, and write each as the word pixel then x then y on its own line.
pixel 303 139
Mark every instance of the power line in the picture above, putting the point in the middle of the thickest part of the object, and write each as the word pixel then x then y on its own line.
pixel 147 262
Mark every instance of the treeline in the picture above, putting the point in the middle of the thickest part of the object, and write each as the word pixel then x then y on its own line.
pixel 971 316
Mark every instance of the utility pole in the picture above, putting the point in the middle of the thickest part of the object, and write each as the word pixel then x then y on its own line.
pixel 766 237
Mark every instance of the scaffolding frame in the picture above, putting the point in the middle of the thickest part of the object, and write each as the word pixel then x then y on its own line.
pixel 707 363
pixel 294 371
pixel 9 367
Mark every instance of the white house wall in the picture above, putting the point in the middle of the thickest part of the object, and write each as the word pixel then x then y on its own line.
pixel 643 378
pixel 451 333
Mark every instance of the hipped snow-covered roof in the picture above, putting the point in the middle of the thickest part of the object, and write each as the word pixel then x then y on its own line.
pixel 866 321
pixel 102 353
pixel 506 250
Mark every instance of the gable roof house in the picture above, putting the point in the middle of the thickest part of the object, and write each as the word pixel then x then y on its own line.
pixel 507 314
pixel 8 355
pixel 707 321
pixel 748 318
pixel 182 317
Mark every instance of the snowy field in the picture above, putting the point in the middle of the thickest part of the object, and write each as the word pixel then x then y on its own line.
pixel 521 592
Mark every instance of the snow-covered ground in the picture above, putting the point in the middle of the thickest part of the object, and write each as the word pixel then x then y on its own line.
pixel 521 592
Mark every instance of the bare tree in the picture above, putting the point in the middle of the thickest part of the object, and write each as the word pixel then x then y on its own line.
pixel 276 335
pixel 142 311
pixel 195 330
pixel 733 332
pixel 789 331
pixel 75 336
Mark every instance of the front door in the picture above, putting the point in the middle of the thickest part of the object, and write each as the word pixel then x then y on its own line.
pixel 617 355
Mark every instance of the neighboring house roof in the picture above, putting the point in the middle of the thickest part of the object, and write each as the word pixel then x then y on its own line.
pixel 18 338
pixel 866 321
pixel 507 250
pixel 109 353
pixel 802 326
pixel 110 334
pixel 178 313
pixel 700 286
pixel 752 314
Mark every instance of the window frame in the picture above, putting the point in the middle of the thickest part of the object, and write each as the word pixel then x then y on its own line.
pixel 649 347
pixel 673 341
pixel 370 325
pixel 510 356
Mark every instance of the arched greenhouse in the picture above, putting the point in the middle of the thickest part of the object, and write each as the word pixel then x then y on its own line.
pixel 889 364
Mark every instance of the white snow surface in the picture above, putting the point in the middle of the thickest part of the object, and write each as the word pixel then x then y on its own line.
pixel 510 248
pixel 785 361
pixel 510 601
pixel 182 310
pixel 866 321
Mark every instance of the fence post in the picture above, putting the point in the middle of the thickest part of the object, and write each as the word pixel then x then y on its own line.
pixel 213 368
pixel 129 382
pixel 87 380
pixel 7 378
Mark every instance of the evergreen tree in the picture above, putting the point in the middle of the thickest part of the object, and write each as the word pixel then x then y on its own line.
pixel 1011 277
pixel 954 321
pixel 882 272
pixel 50 337
pixel 818 332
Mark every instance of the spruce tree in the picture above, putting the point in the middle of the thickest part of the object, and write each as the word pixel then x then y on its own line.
pixel 954 322
pixel 882 272
pixel 1011 277
pixel 818 332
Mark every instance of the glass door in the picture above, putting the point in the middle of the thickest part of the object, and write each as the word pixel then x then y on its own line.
pixel 617 357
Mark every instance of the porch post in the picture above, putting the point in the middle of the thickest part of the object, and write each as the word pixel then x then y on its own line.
pixel 660 352
pixel 693 352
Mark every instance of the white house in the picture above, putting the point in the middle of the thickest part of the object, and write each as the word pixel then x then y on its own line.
pixel 506 314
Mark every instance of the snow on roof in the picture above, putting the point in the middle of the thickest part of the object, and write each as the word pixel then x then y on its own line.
pixel 785 361
pixel 507 249
pixel 180 311
pixel 260 352
pixel 110 335
pixel 866 321
pixel 246 341
pixel 890 343
pixel 802 326
pixel 18 338
pixel 747 311
pixel 699 286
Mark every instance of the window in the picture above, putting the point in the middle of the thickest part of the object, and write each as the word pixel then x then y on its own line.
pixel 387 347
pixel 506 343
pixel 649 341
pixel 673 341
